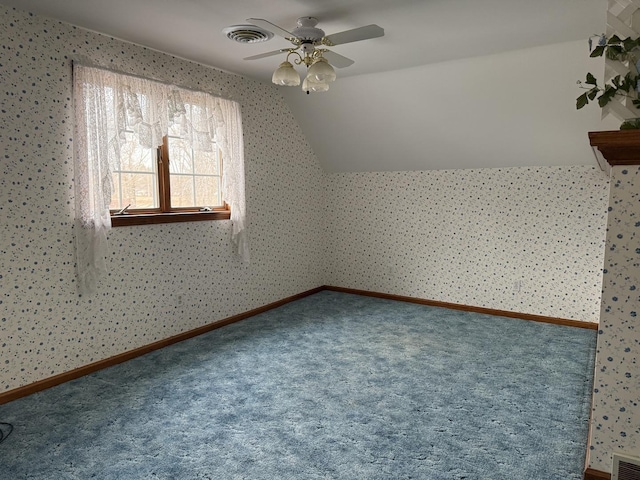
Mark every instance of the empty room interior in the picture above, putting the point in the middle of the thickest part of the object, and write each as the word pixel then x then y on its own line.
pixel 439 179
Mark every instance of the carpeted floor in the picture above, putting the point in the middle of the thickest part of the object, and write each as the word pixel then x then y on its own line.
pixel 333 386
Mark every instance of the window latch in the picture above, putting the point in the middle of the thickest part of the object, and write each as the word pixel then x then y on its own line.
pixel 122 211
pixel 206 209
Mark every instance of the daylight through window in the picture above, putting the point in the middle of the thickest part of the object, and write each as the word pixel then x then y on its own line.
pixel 150 152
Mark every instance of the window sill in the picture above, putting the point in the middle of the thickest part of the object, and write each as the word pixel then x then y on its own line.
pixel 130 219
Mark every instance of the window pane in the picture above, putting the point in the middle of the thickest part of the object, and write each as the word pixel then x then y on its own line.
pixel 194 174
pixel 181 191
pixel 174 129
pixel 139 190
pixel 134 157
pixel 135 183
pixel 206 163
pixel 180 156
pixel 208 191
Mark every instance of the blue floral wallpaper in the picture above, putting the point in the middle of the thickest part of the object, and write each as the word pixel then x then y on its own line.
pixel 45 327
pixel 528 240
pixel 519 239
pixel 616 399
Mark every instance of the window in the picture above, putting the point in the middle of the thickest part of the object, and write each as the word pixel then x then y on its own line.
pixel 164 161
pixel 173 178
pixel 147 152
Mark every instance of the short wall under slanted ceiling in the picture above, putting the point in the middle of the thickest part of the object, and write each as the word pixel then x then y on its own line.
pixel 527 240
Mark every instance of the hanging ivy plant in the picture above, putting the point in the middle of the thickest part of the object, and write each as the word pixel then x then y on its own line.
pixel 624 51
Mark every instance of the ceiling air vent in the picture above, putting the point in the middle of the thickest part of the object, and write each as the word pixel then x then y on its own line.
pixel 247 34
pixel 625 467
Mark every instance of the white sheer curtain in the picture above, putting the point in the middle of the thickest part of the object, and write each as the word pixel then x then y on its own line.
pixel 106 105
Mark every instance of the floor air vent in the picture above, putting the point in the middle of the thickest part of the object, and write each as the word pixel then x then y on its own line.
pixel 625 467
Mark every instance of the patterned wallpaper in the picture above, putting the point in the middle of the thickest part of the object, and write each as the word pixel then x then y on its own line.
pixel 45 327
pixel 616 399
pixel 519 239
pixel 460 236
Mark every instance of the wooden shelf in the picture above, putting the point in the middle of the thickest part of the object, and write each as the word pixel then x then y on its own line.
pixel 618 147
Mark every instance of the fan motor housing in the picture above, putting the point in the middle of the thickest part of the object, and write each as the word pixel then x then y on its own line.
pixel 307 30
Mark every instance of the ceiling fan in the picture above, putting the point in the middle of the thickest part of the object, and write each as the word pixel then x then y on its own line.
pixel 308 41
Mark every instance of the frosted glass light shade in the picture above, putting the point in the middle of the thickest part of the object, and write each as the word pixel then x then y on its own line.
pixel 312 85
pixel 322 71
pixel 286 75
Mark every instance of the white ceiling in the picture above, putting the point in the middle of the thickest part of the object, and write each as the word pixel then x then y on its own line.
pixel 419 35
pixel 417 32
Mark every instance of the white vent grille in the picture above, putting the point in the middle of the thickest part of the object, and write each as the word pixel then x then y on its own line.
pixel 625 467
pixel 247 34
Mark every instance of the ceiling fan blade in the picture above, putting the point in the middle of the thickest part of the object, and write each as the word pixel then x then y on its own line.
pixel 336 59
pixel 267 25
pixel 354 35
pixel 267 54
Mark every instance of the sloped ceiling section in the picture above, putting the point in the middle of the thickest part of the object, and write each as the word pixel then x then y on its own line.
pixel 510 109
pixel 464 84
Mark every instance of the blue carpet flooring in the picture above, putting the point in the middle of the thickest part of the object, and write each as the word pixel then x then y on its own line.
pixel 333 386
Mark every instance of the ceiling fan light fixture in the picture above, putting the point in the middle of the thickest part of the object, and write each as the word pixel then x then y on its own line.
pixel 286 75
pixel 307 40
pixel 312 85
pixel 322 71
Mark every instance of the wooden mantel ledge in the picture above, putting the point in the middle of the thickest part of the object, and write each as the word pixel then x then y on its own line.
pixel 618 147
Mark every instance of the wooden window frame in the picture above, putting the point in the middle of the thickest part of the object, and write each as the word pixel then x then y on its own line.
pixel 167 214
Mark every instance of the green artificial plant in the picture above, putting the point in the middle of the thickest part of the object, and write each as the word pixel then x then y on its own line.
pixel 624 51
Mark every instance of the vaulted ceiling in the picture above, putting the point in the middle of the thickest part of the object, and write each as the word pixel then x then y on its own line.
pixel 412 97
